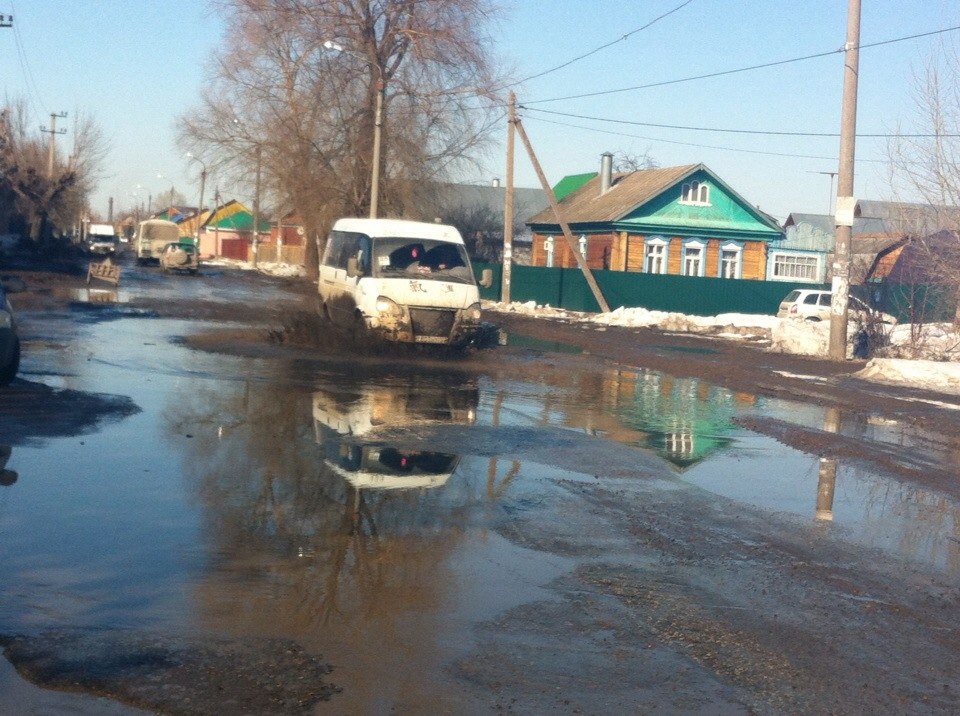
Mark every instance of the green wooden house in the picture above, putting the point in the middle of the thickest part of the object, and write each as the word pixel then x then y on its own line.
pixel 681 220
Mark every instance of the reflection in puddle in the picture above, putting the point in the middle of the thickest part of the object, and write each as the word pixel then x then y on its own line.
pixel 827 479
pixel 93 295
pixel 7 477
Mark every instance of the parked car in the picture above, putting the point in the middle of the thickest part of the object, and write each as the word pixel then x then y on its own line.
pixel 9 342
pixel 814 305
pixel 402 281
pixel 179 256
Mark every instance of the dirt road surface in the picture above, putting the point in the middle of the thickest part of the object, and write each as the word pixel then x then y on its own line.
pixel 210 504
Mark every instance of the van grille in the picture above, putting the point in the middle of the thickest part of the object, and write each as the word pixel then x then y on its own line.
pixel 431 322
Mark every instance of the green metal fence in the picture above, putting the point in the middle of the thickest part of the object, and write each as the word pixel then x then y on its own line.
pixel 566 288
pixel 916 303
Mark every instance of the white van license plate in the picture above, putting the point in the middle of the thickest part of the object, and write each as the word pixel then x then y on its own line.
pixel 430 339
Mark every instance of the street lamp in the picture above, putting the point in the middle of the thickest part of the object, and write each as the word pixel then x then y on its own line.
pixel 203 182
pixel 377 124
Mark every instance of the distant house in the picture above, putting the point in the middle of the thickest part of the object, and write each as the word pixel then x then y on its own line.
pixel 477 211
pixel 681 220
pixel 228 232
pixel 880 232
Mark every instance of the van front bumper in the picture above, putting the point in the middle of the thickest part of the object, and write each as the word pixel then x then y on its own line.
pixel 430 326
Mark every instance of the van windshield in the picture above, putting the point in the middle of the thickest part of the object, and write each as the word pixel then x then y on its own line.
pixel 421 258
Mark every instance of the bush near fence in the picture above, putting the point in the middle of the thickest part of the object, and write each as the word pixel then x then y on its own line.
pixel 698 296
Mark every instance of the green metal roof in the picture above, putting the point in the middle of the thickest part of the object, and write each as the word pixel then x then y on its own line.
pixel 239 221
pixel 571 183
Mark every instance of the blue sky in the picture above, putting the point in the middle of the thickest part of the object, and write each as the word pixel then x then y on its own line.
pixel 138 64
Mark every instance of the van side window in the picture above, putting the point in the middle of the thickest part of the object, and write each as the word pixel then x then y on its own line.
pixel 343 246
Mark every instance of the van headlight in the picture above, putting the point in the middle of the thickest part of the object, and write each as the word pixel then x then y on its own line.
pixel 388 307
pixel 472 312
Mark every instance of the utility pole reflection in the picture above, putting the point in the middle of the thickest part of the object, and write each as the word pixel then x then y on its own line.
pixel 828 471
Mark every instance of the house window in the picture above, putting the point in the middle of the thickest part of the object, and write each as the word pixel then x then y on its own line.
pixel 655 256
pixel 693 258
pixel 731 260
pixel 548 244
pixel 795 267
pixel 695 192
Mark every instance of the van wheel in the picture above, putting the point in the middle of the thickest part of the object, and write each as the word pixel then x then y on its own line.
pixel 9 372
pixel 814 319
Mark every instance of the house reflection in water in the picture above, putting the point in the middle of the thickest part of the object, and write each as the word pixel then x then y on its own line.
pixel 683 420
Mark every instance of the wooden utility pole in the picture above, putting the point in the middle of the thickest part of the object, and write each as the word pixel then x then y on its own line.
pixel 53 132
pixel 564 226
pixel 846 203
pixel 508 204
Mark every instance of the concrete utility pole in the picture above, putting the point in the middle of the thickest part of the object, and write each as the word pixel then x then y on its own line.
pixel 256 206
pixel 53 132
pixel 564 226
pixel 377 130
pixel 508 204
pixel 846 203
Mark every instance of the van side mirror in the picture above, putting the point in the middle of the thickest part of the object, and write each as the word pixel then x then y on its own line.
pixel 486 278
pixel 353 268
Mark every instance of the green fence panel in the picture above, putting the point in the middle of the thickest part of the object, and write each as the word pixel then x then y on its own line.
pixel 702 296
pixel 918 303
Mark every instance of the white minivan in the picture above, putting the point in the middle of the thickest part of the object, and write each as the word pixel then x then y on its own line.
pixel 403 281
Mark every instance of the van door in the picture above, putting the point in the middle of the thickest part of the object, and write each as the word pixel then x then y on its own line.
pixel 331 279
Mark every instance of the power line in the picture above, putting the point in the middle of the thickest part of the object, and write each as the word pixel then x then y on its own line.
pixel 729 130
pixel 32 93
pixel 699 146
pixel 761 66
pixel 597 49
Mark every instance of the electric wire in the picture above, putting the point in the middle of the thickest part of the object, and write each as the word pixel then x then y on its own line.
pixel 765 65
pixel 32 92
pixel 730 130
pixel 597 49
pixel 699 146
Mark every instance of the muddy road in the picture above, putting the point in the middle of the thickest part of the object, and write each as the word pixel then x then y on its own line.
pixel 206 508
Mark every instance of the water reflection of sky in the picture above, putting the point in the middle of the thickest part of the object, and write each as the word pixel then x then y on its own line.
pixel 219 503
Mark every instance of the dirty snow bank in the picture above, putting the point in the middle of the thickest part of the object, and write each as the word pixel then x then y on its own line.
pixel 928 374
pixel 730 325
pixel 268 267
pixel 931 341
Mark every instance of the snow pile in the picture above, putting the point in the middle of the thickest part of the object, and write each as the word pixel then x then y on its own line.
pixel 932 375
pixel 268 267
pixel 531 308
pixel 931 341
pixel 810 338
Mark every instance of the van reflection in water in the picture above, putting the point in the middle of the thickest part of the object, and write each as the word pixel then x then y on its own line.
pixel 7 477
pixel 342 424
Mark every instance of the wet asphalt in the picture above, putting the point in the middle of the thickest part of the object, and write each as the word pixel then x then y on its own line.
pixel 189 531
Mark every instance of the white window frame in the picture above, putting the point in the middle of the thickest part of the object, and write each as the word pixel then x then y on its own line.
pixel 695 193
pixel 661 243
pixel 736 247
pixel 779 255
pixel 701 246
pixel 549 248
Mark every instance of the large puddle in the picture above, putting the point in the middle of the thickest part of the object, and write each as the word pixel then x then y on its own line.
pixel 361 512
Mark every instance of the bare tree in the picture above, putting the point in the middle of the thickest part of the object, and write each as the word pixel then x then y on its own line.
pixel 927 167
pixel 624 161
pixel 47 202
pixel 299 87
